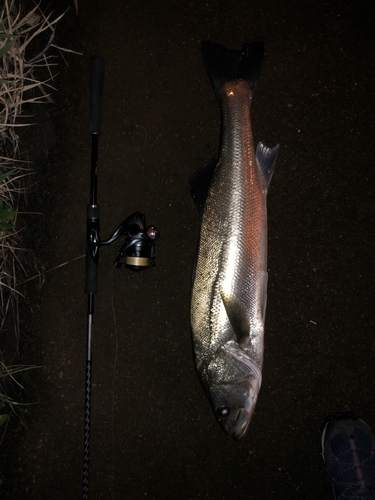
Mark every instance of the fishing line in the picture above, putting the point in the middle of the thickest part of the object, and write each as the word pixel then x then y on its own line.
pixel 50 270
pixel 140 126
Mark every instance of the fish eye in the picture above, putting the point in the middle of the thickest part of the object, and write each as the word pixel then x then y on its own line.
pixel 224 411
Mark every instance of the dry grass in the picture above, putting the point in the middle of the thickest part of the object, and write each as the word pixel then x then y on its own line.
pixel 26 40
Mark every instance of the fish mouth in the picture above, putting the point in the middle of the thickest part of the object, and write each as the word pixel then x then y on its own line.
pixel 238 424
pixel 238 395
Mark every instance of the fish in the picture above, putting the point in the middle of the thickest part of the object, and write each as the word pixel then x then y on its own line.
pixel 229 285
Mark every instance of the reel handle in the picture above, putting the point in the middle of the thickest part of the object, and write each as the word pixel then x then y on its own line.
pixel 96 93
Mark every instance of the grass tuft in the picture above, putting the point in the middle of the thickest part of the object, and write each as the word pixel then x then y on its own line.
pixel 26 42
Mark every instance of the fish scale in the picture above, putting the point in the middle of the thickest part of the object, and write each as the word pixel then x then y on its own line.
pixel 230 281
pixel 233 216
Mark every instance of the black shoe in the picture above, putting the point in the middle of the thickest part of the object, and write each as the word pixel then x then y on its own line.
pixel 348 448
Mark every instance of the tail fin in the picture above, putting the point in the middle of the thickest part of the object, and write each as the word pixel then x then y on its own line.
pixel 224 65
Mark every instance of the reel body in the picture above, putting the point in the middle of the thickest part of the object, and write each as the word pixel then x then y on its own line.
pixel 138 250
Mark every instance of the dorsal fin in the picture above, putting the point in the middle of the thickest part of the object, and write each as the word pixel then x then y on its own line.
pixel 266 158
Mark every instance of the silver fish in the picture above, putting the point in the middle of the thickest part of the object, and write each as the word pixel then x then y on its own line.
pixel 229 292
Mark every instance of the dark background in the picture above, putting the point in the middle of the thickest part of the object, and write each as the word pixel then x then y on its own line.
pixel 153 433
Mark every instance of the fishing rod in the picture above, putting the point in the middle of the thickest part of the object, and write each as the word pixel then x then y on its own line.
pixel 137 252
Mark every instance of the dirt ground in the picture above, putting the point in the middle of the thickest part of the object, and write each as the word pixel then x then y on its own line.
pixel 153 434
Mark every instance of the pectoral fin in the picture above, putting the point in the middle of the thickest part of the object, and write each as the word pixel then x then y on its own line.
pixel 237 317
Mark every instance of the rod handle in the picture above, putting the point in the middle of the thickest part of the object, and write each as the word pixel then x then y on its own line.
pixel 96 93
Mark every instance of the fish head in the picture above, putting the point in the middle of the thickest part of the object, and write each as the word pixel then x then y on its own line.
pixel 233 382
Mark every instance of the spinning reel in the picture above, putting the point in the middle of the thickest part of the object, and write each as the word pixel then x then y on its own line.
pixel 138 250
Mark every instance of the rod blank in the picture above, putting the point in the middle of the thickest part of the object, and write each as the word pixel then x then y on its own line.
pixel 92 256
pixel 96 93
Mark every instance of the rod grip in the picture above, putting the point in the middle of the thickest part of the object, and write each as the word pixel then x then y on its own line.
pixel 96 93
